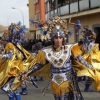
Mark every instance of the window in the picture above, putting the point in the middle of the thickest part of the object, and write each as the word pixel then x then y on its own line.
pixel 36 1
pixel 37 17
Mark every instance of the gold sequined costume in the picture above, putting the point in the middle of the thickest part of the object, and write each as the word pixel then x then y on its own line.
pixel 12 67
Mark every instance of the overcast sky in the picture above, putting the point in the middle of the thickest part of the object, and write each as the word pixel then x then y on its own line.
pixel 9 15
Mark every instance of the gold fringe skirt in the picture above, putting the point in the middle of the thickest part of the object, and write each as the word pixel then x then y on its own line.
pixel 59 90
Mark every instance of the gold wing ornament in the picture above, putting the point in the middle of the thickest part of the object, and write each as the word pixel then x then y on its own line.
pixel 93 58
pixel 45 70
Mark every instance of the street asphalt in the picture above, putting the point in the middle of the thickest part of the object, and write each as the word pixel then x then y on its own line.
pixel 36 94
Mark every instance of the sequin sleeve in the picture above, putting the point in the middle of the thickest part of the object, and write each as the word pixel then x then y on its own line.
pixel 76 50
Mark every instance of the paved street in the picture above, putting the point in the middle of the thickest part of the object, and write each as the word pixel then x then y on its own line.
pixel 35 93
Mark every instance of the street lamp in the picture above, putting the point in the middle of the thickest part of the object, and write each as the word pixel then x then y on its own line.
pixel 21 13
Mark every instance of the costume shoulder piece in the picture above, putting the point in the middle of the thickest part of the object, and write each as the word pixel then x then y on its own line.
pixel 76 50
pixel 9 47
pixel 57 58
pixel 10 44
pixel 96 47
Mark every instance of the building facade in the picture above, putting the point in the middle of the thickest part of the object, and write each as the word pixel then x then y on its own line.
pixel 87 11
pixel 32 30
pixel 36 12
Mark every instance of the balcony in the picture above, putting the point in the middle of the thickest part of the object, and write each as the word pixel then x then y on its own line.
pixel 84 5
pixel 64 10
pixel 95 3
pixel 76 7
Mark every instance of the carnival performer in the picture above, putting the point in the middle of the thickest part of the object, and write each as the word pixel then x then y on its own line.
pixel 5 61
pixel 63 76
pixel 90 52
pixel 88 45
pixel 11 62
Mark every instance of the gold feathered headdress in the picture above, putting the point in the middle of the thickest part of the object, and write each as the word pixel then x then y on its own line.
pixel 55 26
